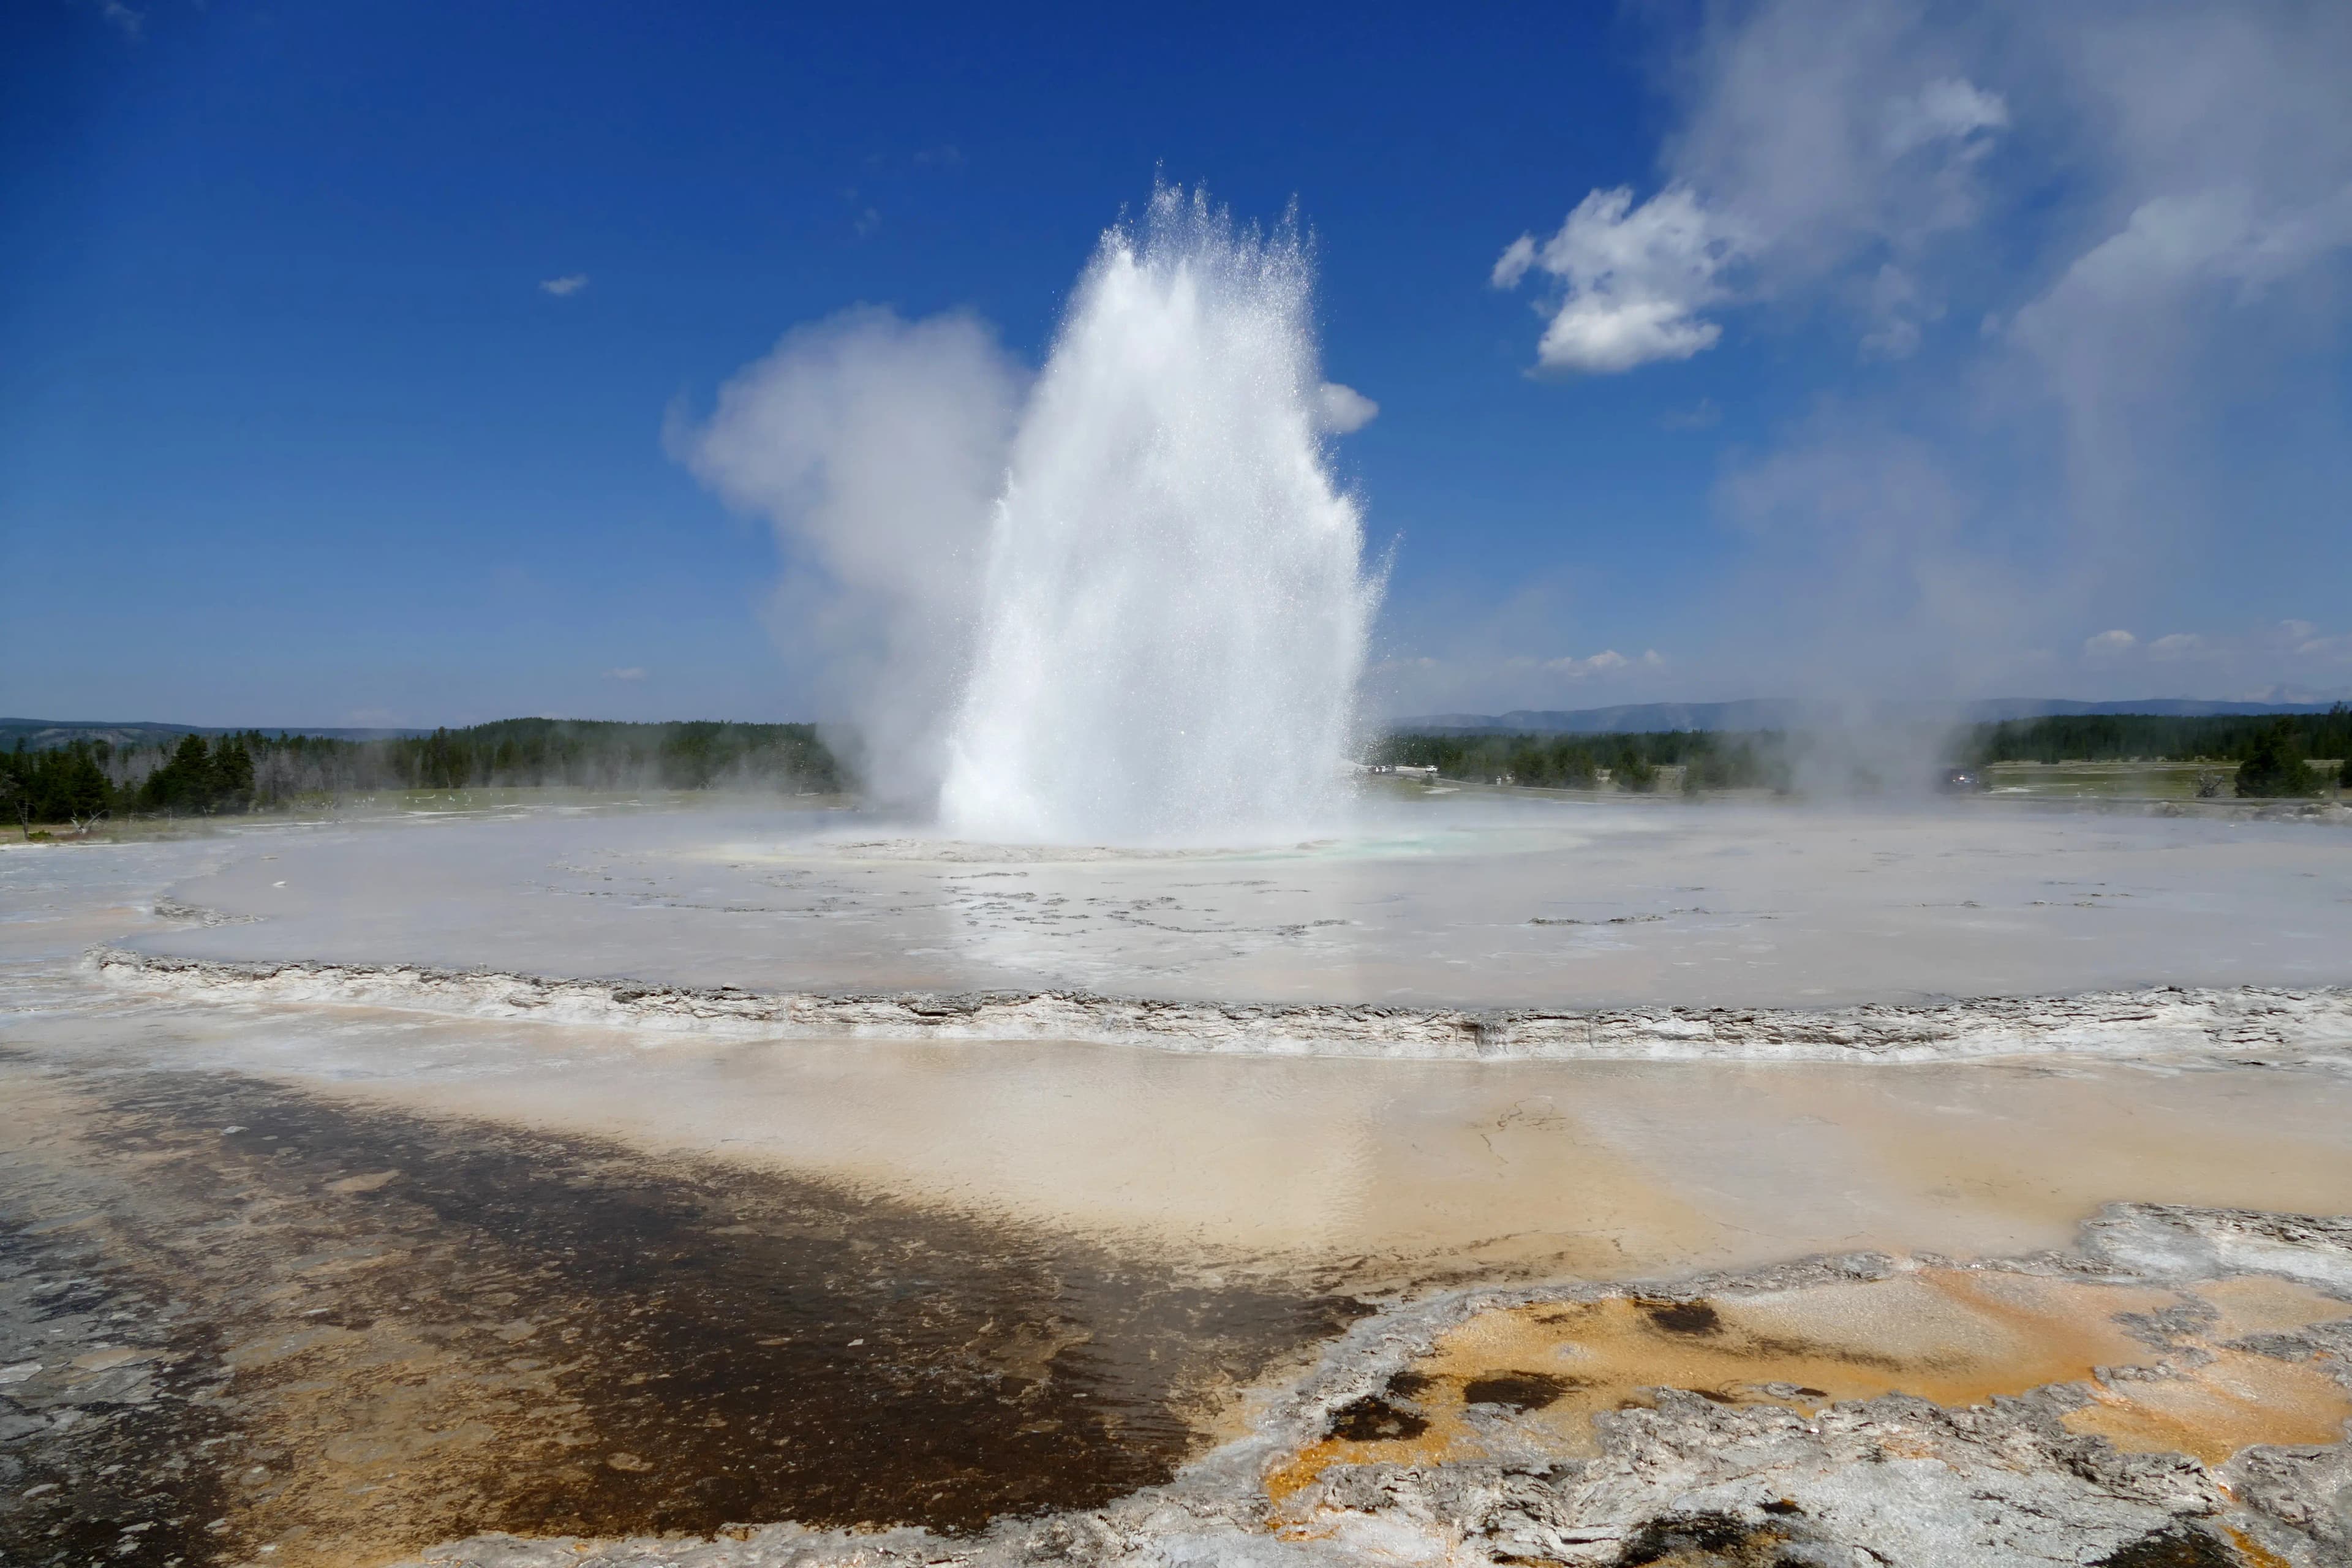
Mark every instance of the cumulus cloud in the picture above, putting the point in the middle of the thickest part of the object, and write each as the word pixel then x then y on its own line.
pixel 564 288
pixel 2225 661
pixel 1600 663
pixel 633 672
pixel 1608 661
pixel 2179 646
pixel 1342 410
pixel 876 446
pixel 1633 280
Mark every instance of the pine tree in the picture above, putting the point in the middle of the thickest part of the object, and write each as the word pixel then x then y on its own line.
pixel 232 780
pixel 185 783
pixel 2273 764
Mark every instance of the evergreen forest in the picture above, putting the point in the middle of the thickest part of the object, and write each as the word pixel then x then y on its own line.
pixel 82 781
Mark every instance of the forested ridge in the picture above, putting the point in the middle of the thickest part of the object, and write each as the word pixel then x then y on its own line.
pixel 83 781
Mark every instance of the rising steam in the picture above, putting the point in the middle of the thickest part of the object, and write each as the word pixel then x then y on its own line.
pixel 877 445
pixel 1131 608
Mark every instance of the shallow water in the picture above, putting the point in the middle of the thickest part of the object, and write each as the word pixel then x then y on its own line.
pixel 1375 1173
pixel 1378 1172
pixel 238 1319
pixel 1453 901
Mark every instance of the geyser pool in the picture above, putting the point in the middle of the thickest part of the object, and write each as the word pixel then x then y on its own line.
pixel 1175 609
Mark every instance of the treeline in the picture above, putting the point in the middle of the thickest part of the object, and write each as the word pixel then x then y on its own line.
pixel 598 755
pixel 2147 737
pixel 83 781
pixel 2258 756
pixel 1709 759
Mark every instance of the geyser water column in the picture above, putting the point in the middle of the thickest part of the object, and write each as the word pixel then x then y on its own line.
pixel 1175 609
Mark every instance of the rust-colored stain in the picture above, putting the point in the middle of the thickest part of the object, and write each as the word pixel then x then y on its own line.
pixel 2256 1554
pixel 1538 1374
pixel 2211 1412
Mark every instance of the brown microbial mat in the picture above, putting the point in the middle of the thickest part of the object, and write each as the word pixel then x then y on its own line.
pixel 241 1323
pixel 2155 1363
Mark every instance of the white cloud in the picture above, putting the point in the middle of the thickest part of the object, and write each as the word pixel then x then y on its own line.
pixel 2335 648
pixel 1600 663
pixel 634 672
pixel 2305 642
pixel 1634 279
pixel 1513 263
pixel 564 288
pixel 2180 646
pixel 1342 410
pixel 2292 649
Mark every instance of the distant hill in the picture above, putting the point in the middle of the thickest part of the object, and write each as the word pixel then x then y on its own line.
pixel 41 733
pixel 1775 713
pixel 1995 708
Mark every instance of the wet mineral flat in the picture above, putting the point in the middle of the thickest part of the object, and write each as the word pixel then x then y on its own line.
pixel 288 1279
pixel 1460 902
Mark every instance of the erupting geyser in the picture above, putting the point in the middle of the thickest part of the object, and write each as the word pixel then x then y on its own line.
pixel 1175 608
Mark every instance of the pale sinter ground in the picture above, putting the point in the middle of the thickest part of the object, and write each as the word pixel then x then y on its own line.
pixel 1294 1173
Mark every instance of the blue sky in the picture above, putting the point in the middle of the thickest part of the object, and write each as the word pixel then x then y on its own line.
pixel 1926 352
